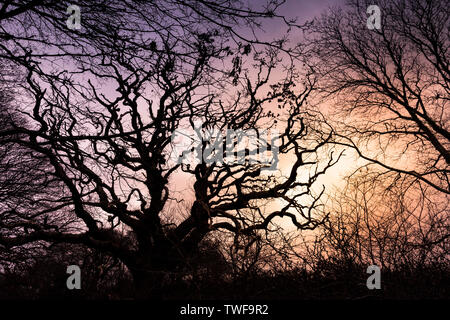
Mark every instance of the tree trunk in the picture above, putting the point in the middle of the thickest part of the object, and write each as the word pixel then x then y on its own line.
pixel 148 284
pixel 154 275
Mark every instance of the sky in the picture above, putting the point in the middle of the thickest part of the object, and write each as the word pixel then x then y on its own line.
pixel 306 9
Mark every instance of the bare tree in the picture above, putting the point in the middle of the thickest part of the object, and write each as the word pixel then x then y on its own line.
pixel 109 140
pixel 26 188
pixel 391 84
pixel 388 221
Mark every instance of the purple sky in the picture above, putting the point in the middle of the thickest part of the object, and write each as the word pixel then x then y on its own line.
pixel 306 9
pixel 303 10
